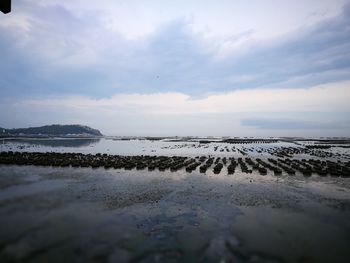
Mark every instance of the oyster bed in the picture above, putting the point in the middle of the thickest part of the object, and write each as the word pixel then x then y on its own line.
pixel 175 163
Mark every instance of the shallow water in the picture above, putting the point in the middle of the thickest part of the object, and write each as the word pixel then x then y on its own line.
pixel 130 147
pixel 164 147
pixel 84 214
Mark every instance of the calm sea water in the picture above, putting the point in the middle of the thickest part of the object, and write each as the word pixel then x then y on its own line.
pixel 156 147
pixel 131 147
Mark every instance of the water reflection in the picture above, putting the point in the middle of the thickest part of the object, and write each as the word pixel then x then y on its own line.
pixel 55 142
pixel 98 215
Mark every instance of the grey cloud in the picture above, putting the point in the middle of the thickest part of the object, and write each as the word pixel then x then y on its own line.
pixel 172 59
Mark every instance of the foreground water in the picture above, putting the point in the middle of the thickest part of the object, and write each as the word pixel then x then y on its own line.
pixel 114 215
pixel 68 214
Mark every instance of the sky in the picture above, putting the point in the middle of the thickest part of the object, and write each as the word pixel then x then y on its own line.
pixel 178 68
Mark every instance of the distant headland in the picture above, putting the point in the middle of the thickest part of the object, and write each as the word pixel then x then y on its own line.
pixel 52 130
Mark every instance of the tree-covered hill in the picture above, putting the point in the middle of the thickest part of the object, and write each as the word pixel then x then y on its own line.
pixel 55 130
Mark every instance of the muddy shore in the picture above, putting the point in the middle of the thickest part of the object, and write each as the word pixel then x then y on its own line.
pixel 61 214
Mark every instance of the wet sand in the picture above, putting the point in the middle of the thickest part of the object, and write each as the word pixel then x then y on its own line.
pixel 97 215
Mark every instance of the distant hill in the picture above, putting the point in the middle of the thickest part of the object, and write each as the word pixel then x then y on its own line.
pixel 53 130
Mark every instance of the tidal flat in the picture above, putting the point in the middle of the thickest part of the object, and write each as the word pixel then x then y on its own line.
pixel 85 214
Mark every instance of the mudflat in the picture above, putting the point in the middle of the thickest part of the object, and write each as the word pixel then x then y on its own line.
pixel 58 214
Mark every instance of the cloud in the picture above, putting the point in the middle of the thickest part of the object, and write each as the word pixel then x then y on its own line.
pixel 321 110
pixel 59 49
pixel 333 97
pixel 290 124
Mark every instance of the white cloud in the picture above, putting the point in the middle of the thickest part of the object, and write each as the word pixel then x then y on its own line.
pixel 333 97
pixel 317 111
pixel 134 18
